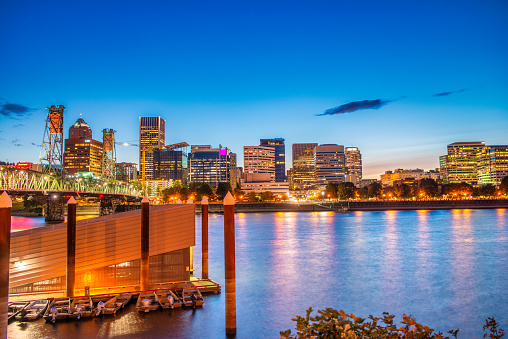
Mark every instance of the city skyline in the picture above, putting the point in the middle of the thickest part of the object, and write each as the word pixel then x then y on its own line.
pixel 398 81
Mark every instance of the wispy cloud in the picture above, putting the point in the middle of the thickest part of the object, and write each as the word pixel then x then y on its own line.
pixel 34 144
pixel 356 106
pixel 443 94
pixel 15 111
pixel 18 125
pixel 16 143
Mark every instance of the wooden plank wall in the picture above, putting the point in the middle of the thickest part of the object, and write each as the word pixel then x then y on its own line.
pixel 41 253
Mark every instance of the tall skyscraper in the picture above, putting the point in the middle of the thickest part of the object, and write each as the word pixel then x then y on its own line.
pixel 353 159
pixel 152 133
pixel 492 165
pixel 126 171
pixel 170 165
pixel 82 153
pixel 280 156
pixel 303 172
pixel 209 165
pixel 232 170
pixel 330 164
pixel 80 129
pixel 259 161
pixel 442 169
pixel 462 162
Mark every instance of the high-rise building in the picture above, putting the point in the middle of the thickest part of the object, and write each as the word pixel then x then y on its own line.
pixel 259 160
pixel 152 133
pixel 126 171
pixel 329 163
pixel 209 165
pixel 492 165
pixel 303 171
pixel 442 169
pixel 80 129
pixel 232 170
pixel 280 156
pixel 462 162
pixel 353 159
pixel 82 153
pixel 170 165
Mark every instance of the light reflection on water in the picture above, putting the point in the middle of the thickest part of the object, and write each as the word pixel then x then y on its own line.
pixel 446 268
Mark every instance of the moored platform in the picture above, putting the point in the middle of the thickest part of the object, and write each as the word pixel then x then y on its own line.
pixel 203 285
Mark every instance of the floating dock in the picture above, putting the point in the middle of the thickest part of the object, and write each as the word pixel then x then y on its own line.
pixel 203 285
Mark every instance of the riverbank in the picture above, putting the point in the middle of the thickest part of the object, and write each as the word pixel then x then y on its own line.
pixel 325 205
pixel 345 206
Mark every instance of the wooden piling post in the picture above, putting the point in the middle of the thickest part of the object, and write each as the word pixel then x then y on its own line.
pixel 229 262
pixel 191 249
pixel 145 243
pixel 5 251
pixel 204 238
pixel 71 247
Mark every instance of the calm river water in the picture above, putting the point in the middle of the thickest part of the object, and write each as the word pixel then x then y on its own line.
pixel 446 268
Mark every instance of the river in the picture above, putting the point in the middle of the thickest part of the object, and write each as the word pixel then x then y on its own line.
pixel 446 268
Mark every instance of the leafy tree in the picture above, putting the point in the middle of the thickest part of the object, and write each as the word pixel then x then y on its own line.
pixel 201 189
pixel 137 185
pixel 238 193
pixel 346 190
pixel 389 192
pixel 456 189
pixel 165 195
pixel 30 203
pixel 493 327
pixel 252 196
pixel 504 185
pixel 488 190
pixel 466 189
pixel 363 192
pixel 403 191
pixel 184 193
pixel 330 323
pixel 282 196
pixel 193 189
pixel 429 187
pixel 177 185
pixel 222 189
pixel 331 190
pixel 375 190
pixel 267 196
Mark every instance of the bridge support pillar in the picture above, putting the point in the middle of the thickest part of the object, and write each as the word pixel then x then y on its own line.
pixel 54 208
pixel 107 206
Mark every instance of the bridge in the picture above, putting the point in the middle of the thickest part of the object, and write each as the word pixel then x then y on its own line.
pixel 53 192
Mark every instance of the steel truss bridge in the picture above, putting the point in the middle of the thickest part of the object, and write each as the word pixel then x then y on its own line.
pixel 17 180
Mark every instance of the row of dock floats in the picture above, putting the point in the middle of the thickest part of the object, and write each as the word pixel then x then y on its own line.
pixel 56 309
pixel 167 298
pixel 85 307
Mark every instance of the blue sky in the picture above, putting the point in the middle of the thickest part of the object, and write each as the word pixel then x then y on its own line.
pixel 232 73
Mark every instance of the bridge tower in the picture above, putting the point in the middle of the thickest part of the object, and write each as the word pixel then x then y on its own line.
pixel 108 155
pixel 51 156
